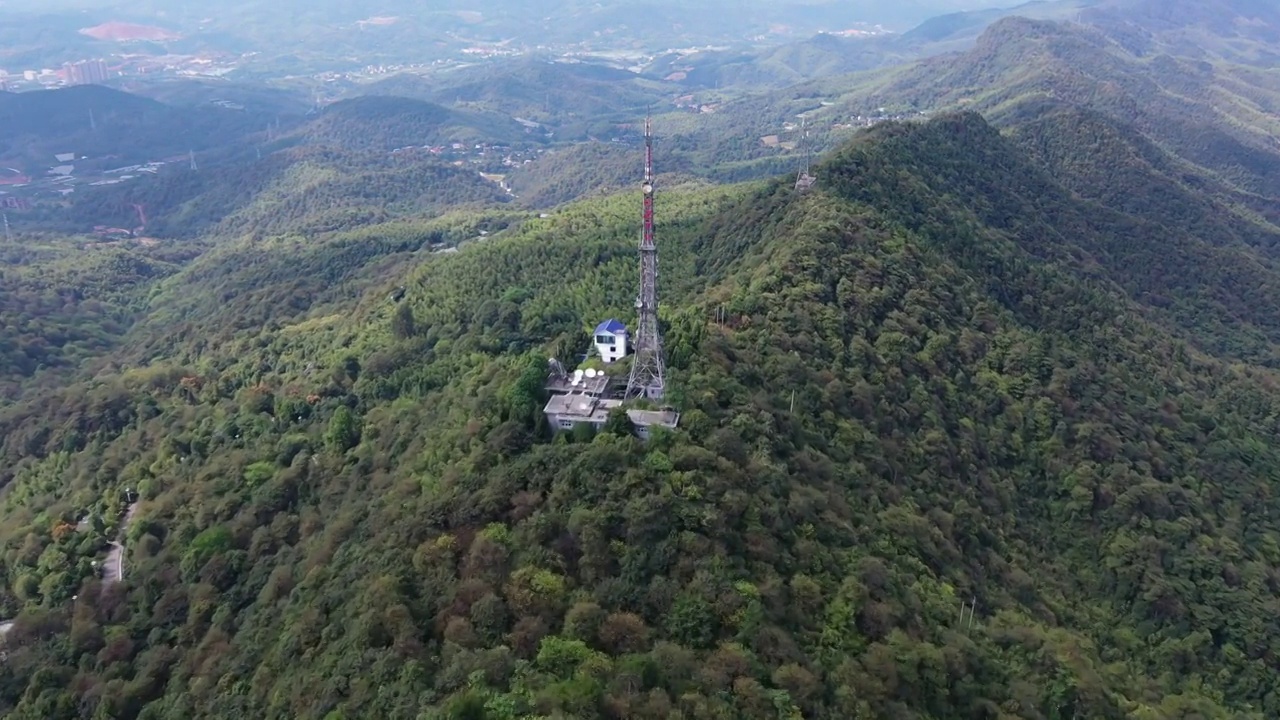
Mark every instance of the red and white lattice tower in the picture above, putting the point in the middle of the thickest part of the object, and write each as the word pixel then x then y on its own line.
pixel 647 371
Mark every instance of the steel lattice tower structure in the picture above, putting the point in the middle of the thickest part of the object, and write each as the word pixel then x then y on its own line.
pixel 647 371
pixel 804 180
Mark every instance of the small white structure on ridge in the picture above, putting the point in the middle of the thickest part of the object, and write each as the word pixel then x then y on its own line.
pixel 611 340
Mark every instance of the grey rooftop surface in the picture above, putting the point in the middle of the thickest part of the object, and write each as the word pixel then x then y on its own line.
pixel 580 407
pixel 597 385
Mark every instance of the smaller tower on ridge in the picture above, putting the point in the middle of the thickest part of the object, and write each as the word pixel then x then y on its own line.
pixel 804 180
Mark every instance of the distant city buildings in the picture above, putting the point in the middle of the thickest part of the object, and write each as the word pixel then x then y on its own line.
pixel 98 71
pixel 85 72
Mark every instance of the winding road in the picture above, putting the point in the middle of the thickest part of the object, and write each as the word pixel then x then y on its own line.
pixel 113 566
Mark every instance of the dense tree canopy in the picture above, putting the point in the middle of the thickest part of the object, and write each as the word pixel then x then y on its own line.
pixel 939 457
pixel 981 426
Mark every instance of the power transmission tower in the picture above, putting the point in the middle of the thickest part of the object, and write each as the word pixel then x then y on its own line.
pixel 8 236
pixel 804 180
pixel 647 372
pixel 192 153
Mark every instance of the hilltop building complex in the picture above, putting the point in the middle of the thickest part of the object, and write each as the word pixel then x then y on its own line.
pixel 588 396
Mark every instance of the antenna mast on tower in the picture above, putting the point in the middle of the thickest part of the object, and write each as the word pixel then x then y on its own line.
pixel 647 371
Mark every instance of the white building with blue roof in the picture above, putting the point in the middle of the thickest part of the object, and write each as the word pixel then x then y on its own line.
pixel 611 340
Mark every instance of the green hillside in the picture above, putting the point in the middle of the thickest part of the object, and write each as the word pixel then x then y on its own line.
pixel 301 189
pixel 779 66
pixel 574 100
pixel 576 172
pixel 1215 118
pixel 1237 30
pixel 95 121
pixel 377 122
pixel 826 55
pixel 192 92
pixel 64 302
pixel 936 382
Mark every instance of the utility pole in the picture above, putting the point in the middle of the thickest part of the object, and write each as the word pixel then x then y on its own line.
pixel 972 607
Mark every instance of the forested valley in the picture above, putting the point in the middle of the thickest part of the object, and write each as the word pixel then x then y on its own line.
pixel 983 425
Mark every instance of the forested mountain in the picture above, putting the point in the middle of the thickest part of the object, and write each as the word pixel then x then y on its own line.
pixel 825 54
pixel 96 121
pixel 1217 119
pixel 787 64
pixel 936 382
pixel 302 189
pixel 595 169
pixel 576 172
pixel 358 161
pixel 64 302
pixel 1239 30
pixel 981 426
pixel 328 33
pixel 575 99
pixel 379 122
pixel 202 92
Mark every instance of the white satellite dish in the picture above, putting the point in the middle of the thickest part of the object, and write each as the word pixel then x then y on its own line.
pixel 591 372
pixel 576 381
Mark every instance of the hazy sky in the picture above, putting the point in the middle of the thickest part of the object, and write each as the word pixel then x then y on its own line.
pixel 376 7
pixel 51 28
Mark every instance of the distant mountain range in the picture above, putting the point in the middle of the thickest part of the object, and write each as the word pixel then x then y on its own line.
pixel 1219 117
pixel 97 121
pixel 1242 31
pixel 329 33
pixel 335 167
pixel 575 100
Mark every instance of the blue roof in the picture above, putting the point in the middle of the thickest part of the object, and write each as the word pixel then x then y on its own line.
pixel 611 327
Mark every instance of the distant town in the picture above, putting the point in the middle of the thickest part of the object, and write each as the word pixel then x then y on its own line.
pixel 100 70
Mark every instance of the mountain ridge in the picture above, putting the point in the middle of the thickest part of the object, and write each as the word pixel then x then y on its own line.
pixel 982 424
pixel 981 412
